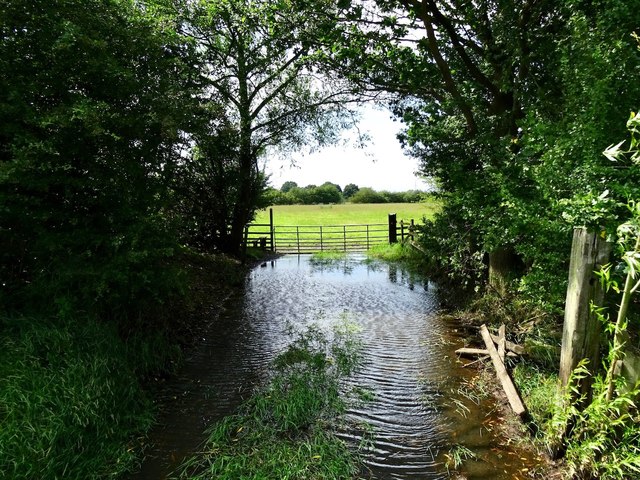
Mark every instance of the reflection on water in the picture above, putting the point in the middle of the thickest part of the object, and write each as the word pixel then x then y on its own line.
pixel 410 368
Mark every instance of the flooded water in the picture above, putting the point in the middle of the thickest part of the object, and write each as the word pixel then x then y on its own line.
pixel 417 415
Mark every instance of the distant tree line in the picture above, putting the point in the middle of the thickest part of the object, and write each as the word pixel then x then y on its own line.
pixel 327 193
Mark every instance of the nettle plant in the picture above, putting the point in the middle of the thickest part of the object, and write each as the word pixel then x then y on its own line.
pixel 628 235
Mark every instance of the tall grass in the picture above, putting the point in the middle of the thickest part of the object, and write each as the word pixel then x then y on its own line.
pixel 70 403
pixel 285 430
pixel 601 441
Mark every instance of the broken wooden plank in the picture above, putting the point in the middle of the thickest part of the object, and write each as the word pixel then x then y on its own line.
pixel 472 351
pixel 478 351
pixel 512 347
pixel 502 342
pixel 507 385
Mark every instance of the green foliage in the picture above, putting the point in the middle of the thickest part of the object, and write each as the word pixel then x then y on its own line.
pixel 349 190
pixel 514 150
pixel 392 253
pixel 601 438
pixel 604 440
pixel 91 102
pixel 451 250
pixel 457 456
pixel 208 191
pixel 260 88
pixel 285 430
pixel 286 186
pixel 330 193
pixel 70 402
pixel 367 195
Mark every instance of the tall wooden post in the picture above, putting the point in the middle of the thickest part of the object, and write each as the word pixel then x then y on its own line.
pixel 581 331
pixel 393 228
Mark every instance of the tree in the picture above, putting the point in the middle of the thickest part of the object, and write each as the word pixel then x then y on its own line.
pixel 334 185
pixel 326 193
pixel 463 74
pixel 258 64
pixel 349 190
pixel 286 186
pixel 485 88
pixel 93 97
pixel 367 195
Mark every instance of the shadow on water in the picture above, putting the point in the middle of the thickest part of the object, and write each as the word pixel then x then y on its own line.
pixel 416 414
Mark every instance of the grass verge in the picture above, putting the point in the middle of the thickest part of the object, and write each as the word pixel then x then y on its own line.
pixel 285 430
pixel 70 402
pixel 401 253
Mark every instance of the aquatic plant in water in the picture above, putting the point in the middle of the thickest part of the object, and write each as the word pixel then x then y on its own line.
pixel 285 430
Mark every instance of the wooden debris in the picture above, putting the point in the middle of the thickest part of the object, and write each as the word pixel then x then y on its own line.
pixel 512 347
pixel 478 351
pixel 472 351
pixel 502 342
pixel 509 389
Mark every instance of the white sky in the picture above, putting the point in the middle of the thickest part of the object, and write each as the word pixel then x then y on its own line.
pixel 381 165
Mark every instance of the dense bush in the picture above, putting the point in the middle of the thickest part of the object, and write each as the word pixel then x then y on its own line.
pixel 367 195
pixel 91 100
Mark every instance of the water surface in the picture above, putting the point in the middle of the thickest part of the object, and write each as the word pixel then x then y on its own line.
pixel 417 414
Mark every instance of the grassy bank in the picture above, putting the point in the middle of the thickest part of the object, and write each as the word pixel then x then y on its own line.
pixel 72 399
pixel 286 429
pixel 71 403
pixel 347 213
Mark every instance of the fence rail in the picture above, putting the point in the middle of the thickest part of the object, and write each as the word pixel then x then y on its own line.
pixel 318 238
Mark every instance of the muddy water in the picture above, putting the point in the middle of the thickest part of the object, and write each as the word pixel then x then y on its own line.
pixel 416 415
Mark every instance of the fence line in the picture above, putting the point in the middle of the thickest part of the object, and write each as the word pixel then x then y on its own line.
pixel 318 238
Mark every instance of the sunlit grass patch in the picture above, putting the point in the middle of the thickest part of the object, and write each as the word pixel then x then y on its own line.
pixel 349 213
pixel 390 252
pixel 285 430
pixel 402 253
pixel 328 257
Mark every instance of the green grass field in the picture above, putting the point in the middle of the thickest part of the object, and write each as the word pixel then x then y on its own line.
pixel 345 227
pixel 347 213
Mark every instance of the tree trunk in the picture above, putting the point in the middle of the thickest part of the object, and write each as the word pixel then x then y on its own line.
pixel 244 201
pixel 504 265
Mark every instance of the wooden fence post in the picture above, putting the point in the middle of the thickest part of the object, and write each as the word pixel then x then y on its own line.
pixel 344 236
pixel 393 228
pixel 271 231
pixel 581 330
